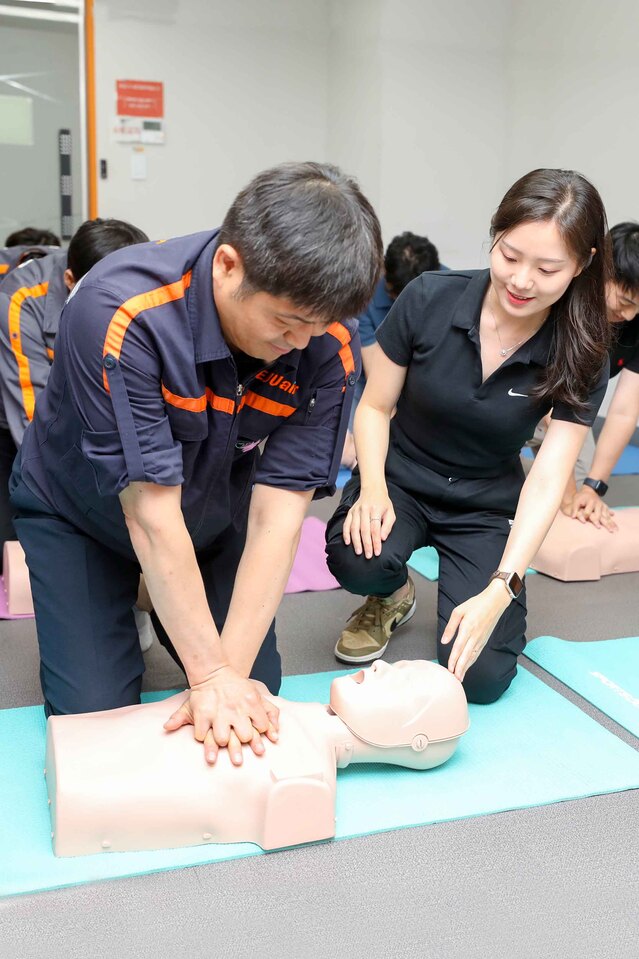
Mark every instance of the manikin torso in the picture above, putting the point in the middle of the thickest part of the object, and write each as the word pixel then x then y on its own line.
pixel 118 782
pixel 575 551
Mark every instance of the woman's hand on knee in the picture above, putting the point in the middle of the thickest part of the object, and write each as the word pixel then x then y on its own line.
pixel 368 522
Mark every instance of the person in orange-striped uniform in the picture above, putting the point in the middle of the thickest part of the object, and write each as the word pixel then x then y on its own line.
pixel 175 363
pixel 27 243
pixel 31 299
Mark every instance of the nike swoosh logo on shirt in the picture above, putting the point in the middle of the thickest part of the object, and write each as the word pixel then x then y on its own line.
pixel 511 392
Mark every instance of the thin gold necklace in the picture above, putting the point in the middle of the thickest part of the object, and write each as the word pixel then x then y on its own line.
pixel 505 350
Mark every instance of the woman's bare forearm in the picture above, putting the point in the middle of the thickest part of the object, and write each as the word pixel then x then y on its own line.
pixel 371 429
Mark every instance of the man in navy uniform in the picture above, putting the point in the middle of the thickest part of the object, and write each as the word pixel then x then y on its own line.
pixel 174 362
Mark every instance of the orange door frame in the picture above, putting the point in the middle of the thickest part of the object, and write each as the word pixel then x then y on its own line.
pixel 92 155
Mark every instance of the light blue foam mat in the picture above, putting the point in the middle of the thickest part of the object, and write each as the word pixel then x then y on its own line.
pixel 426 562
pixel 530 748
pixel 606 673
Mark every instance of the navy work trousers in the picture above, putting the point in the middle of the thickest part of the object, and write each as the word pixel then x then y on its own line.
pixel 469 538
pixel 83 595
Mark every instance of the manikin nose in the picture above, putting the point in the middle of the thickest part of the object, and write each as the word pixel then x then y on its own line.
pixel 379 666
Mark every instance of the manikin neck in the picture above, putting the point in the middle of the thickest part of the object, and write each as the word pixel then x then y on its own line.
pixel 349 748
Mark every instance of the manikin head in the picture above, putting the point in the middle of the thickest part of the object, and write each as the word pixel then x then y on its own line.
pixel 406 704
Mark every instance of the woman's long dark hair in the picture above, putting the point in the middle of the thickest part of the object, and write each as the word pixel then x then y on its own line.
pixel 582 332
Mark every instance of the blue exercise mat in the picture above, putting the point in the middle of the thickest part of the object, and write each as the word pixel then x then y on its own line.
pixel 530 748
pixel 628 462
pixel 425 561
pixel 605 673
pixel 343 477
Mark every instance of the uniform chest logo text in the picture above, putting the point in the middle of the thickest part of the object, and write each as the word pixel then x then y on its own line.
pixel 276 379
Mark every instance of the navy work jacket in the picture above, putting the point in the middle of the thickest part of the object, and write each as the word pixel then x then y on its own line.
pixel 144 388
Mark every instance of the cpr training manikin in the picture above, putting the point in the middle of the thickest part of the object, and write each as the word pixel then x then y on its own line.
pixel 574 551
pixel 117 781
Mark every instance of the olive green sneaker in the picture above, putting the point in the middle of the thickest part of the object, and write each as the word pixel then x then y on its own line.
pixel 369 629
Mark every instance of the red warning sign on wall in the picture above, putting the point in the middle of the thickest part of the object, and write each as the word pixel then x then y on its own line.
pixel 139 98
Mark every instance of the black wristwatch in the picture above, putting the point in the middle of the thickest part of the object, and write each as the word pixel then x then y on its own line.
pixel 599 486
pixel 513 582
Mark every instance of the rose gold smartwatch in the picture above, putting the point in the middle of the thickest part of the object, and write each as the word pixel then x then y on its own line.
pixel 513 582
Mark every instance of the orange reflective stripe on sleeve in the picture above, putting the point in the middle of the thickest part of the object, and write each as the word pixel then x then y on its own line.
pixel 267 406
pixel 15 338
pixel 197 404
pixel 194 404
pixel 50 353
pixel 129 310
pixel 345 354
pixel 4 268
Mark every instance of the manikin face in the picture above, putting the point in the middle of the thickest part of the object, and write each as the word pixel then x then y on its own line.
pixel 531 268
pixel 623 305
pixel 388 705
pixel 260 325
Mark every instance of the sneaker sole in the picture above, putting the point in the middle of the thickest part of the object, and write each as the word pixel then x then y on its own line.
pixel 371 657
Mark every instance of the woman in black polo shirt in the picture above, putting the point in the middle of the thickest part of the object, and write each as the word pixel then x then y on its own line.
pixel 472 361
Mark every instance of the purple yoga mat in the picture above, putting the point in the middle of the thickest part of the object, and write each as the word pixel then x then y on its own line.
pixel 4 611
pixel 310 572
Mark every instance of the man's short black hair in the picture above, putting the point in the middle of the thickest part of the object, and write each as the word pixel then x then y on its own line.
pixel 407 256
pixel 32 236
pixel 306 232
pixel 625 255
pixel 94 239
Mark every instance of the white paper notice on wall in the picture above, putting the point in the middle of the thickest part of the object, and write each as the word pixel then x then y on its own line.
pixel 138 130
pixel 127 129
pixel 138 164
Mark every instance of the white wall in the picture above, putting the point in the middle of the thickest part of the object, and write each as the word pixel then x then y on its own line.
pixel 245 88
pixel 573 72
pixel 435 106
pixel 408 96
pixel 443 108
pixel 355 83
pixel 417 112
